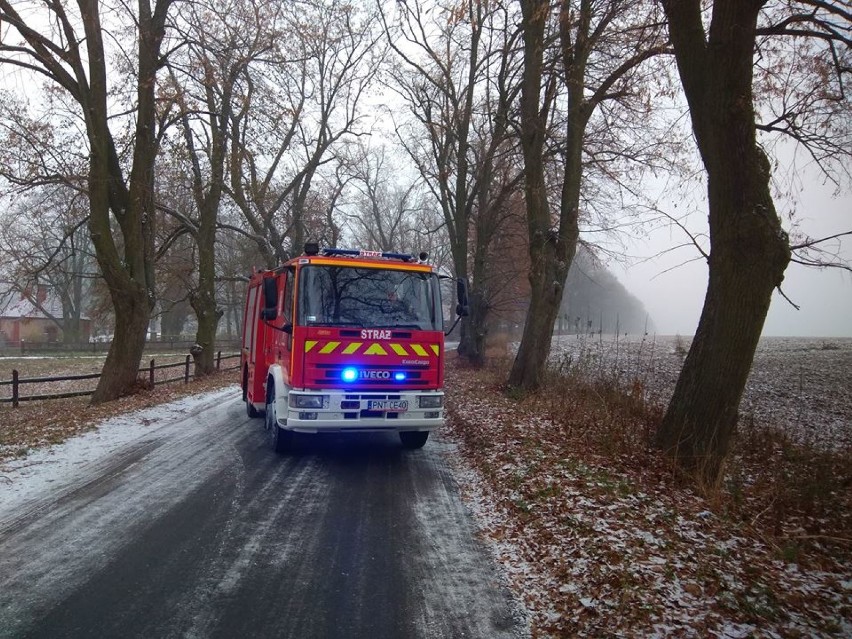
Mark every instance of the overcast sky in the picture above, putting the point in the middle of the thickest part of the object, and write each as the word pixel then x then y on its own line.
pixel 674 299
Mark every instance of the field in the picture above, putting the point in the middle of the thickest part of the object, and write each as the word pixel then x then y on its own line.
pixel 801 386
pixel 70 365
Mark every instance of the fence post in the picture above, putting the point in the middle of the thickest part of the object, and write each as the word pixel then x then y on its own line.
pixel 186 370
pixel 218 360
pixel 151 374
pixel 15 388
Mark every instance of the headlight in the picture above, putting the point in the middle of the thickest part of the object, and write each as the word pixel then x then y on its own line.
pixel 306 401
pixel 431 401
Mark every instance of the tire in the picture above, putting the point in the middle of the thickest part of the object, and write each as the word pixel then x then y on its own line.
pixel 251 411
pixel 279 440
pixel 414 439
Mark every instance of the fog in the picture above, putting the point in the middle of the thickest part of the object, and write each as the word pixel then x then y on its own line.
pixel 674 297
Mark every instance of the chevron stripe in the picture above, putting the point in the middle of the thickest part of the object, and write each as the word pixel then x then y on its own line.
pixel 436 349
pixel 309 344
pixel 419 350
pixel 399 349
pixel 329 348
pixel 375 349
pixel 352 348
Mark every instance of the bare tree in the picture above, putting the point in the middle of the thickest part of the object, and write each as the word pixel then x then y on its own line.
pixel 383 208
pixel 45 247
pixel 297 109
pixel 749 249
pixel 457 68
pixel 209 75
pixel 65 44
pixel 602 48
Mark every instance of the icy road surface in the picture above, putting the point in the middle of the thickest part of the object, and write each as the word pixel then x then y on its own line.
pixel 189 527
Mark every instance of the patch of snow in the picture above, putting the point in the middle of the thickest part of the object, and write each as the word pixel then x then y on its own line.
pixel 22 479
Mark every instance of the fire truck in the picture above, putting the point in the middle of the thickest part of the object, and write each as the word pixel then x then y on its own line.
pixel 346 340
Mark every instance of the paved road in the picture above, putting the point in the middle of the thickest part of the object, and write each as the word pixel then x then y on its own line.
pixel 198 531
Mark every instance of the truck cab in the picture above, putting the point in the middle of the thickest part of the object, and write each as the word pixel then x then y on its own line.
pixel 345 340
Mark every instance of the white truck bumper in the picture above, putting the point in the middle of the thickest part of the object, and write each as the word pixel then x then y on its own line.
pixel 338 410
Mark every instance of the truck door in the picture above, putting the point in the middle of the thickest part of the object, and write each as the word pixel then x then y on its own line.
pixel 287 314
pixel 251 339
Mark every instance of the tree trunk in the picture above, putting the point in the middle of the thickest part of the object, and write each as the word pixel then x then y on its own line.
pixel 204 299
pixel 121 369
pixel 551 249
pixel 749 249
pixel 128 270
pixel 750 253
pixel 474 329
pixel 546 274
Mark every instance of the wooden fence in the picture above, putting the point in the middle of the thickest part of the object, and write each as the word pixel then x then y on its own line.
pixel 22 347
pixel 149 370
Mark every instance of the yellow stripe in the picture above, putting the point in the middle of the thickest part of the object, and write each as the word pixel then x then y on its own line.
pixel 352 348
pixel 419 350
pixel 375 349
pixel 309 344
pixel 436 349
pixel 399 349
pixel 329 348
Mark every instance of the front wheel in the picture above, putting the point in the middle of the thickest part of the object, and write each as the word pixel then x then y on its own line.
pixel 414 439
pixel 280 440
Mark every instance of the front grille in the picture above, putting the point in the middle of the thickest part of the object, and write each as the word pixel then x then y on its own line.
pixel 332 373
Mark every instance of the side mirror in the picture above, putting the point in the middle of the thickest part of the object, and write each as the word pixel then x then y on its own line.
pixel 463 308
pixel 270 299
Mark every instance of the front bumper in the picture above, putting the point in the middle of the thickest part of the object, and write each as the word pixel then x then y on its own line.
pixel 350 411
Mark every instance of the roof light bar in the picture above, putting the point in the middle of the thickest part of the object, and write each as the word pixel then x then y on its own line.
pixel 405 257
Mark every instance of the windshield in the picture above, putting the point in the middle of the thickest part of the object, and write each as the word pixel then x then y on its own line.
pixel 369 297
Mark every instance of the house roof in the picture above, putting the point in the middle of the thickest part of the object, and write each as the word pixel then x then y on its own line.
pixel 13 305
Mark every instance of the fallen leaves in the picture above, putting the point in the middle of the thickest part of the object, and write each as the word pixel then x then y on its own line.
pixel 599 538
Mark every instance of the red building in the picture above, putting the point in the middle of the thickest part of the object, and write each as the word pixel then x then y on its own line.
pixel 35 319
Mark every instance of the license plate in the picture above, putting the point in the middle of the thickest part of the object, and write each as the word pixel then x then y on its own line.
pixel 388 405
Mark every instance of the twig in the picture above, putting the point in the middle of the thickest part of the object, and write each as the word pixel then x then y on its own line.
pixel 792 303
pixel 758 516
pixel 842 540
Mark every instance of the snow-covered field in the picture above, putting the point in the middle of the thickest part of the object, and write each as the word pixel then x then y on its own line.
pixel 801 385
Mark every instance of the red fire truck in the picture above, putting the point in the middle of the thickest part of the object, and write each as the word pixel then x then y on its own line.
pixel 346 340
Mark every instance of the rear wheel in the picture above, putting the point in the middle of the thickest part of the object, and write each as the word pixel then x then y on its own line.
pixel 251 411
pixel 279 439
pixel 414 439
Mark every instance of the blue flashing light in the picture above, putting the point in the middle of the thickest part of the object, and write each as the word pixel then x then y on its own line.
pixel 400 377
pixel 349 374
